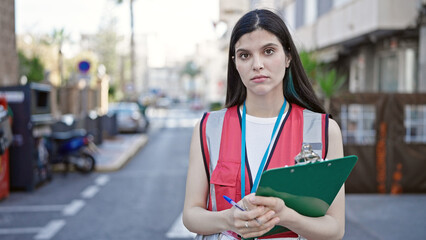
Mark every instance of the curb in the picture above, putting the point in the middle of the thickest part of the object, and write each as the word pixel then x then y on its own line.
pixel 125 154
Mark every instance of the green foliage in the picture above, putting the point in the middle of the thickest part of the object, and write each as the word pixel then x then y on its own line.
pixel 330 83
pixel 112 91
pixel 191 69
pixel 309 64
pixel 59 36
pixel 32 68
pixel 215 106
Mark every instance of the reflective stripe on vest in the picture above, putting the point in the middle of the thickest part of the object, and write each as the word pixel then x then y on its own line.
pixel 220 134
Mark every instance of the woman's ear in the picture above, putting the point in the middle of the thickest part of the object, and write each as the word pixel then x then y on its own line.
pixel 288 60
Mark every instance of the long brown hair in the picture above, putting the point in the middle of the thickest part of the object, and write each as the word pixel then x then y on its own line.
pixel 296 88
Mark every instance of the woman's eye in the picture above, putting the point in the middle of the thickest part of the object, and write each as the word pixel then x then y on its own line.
pixel 269 51
pixel 244 55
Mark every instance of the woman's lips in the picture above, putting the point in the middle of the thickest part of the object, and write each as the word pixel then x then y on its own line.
pixel 259 78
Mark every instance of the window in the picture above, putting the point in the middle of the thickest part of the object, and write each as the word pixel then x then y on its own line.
pixel 410 70
pixel 310 11
pixel 415 123
pixel 290 16
pixel 358 124
pixel 324 6
pixel 388 72
pixel 300 13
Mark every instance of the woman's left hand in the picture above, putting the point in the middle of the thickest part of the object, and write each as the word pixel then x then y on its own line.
pixel 272 203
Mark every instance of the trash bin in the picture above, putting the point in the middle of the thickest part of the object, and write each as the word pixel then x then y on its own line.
pixel 5 141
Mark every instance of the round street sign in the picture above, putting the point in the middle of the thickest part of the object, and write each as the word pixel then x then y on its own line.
pixel 84 66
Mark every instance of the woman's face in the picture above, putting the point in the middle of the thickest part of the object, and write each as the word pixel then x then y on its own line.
pixel 261 62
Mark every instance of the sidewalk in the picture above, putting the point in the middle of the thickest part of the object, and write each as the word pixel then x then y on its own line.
pixel 115 152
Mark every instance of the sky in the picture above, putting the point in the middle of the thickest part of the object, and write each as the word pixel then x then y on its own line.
pixel 177 25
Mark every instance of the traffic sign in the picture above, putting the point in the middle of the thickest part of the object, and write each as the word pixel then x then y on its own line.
pixel 84 66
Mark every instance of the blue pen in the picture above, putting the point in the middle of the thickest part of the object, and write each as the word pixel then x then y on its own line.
pixel 233 203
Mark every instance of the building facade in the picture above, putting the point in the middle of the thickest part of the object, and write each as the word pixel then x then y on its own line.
pixel 8 53
pixel 376 43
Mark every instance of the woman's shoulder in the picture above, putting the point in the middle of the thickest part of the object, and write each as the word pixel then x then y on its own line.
pixel 217 113
pixel 333 126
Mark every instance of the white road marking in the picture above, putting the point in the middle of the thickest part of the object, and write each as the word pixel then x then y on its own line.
pixel 50 230
pixel 73 208
pixel 102 180
pixel 178 230
pixel 34 208
pixel 90 191
pixel 10 231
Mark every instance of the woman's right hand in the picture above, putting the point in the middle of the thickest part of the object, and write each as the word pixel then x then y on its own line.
pixel 254 222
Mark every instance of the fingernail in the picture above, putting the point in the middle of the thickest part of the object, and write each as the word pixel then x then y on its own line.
pixel 277 220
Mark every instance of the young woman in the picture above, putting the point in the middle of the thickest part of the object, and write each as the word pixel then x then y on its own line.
pixel 269 104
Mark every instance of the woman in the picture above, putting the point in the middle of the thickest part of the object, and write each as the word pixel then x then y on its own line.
pixel 269 101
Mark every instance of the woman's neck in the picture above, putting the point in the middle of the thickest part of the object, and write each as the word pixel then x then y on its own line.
pixel 264 107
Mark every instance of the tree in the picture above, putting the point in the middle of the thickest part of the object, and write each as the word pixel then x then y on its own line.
pixel 32 68
pixel 106 44
pixel 58 38
pixel 323 76
pixel 309 64
pixel 192 70
pixel 330 84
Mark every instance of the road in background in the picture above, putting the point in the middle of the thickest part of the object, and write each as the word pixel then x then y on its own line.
pixel 144 199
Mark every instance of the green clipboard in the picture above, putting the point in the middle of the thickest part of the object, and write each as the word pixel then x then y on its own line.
pixel 308 189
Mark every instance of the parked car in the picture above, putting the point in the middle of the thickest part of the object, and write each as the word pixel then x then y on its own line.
pixel 163 102
pixel 129 117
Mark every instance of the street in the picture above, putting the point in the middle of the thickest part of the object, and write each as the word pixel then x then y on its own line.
pixel 141 201
pixel 144 199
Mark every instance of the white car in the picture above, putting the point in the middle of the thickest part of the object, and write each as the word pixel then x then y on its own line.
pixel 129 117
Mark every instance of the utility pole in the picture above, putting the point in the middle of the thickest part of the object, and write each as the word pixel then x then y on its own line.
pixel 132 49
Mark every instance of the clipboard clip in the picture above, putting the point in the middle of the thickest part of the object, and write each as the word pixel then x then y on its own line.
pixel 307 155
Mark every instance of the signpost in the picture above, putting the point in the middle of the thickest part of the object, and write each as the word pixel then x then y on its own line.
pixel 84 67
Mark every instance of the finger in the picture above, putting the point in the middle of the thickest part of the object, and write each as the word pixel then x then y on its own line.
pixel 245 203
pixel 256 226
pixel 270 202
pixel 259 231
pixel 265 217
pixel 250 214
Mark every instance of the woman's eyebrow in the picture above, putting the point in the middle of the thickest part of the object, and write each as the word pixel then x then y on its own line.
pixel 270 45
pixel 241 50
pixel 264 46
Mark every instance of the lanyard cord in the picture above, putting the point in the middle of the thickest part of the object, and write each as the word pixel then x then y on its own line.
pixel 265 156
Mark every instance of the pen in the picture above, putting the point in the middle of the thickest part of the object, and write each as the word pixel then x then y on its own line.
pixel 236 205
pixel 232 202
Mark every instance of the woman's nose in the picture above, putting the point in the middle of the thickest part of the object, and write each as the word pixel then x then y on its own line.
pixel 257 63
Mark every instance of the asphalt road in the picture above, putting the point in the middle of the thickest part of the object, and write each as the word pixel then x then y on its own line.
pixel 144 199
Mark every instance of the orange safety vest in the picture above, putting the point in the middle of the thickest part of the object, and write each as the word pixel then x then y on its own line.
pixel 220 134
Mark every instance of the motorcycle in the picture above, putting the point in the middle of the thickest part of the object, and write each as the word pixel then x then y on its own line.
pixel 74 147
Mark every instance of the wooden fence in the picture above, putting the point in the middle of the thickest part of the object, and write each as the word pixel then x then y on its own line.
pixel 388 134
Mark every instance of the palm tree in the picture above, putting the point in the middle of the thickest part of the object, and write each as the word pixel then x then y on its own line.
pixel 58 37
pixel 330 83
pixel 192 70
